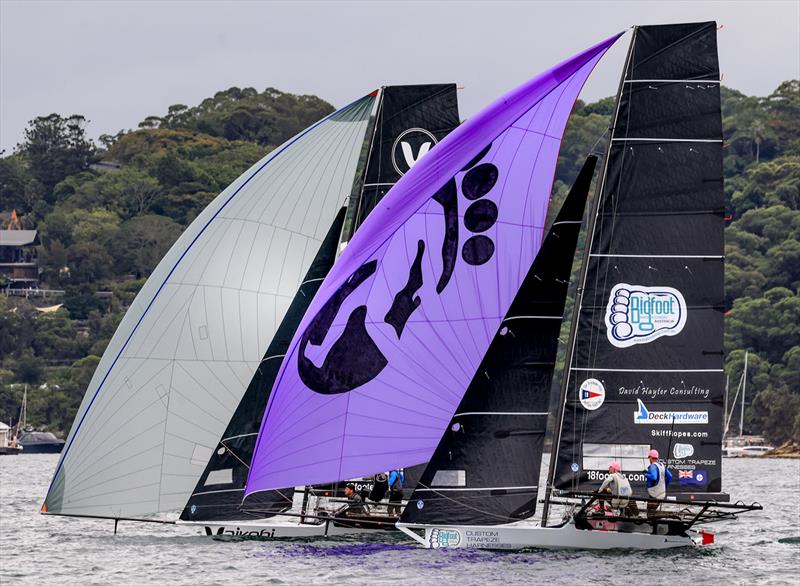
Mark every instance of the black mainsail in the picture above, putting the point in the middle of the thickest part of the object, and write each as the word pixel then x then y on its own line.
pixel 409 120
pixel 485 469
pixel 645 358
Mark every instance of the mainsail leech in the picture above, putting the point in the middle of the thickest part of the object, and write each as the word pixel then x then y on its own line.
pixel 392 412
pixel 182 355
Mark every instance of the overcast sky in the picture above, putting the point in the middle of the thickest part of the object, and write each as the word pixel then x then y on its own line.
pixel 117 62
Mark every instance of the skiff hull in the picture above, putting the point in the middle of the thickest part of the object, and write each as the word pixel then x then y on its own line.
pixel 274 529
pixel 522 537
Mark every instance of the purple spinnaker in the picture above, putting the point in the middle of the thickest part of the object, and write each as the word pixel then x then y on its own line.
pixel 400 325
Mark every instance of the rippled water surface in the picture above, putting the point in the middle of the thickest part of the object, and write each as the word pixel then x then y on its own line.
pixel 759 548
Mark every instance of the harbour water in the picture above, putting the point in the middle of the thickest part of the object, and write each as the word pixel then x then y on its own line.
pixel 760 548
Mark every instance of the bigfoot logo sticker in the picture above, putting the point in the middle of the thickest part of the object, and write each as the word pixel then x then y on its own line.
pixel 639 315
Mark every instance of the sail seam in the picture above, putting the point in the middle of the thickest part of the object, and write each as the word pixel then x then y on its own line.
pixel 218 491
pixel 532 317
pixel 656 255
pixel 238 436
pixel 672 81
pixel 656 139
pixel 649 369
pixel 501 413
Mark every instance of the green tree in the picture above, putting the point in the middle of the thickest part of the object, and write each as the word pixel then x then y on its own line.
pixel 56 147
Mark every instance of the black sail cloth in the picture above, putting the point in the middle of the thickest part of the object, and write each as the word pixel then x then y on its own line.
pixel 486 467
pixel 411 119
pixel 646 369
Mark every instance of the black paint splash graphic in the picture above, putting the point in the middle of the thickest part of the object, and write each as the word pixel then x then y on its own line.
pixel 447 196
pixel 404 302
pixel 354 359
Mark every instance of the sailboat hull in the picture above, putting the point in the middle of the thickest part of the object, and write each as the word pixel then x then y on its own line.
pixel 515 537
pixel 282 529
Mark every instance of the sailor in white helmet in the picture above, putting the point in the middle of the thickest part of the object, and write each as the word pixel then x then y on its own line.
pixel 658 479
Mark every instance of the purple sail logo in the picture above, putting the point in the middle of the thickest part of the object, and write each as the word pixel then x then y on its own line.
pixel 639 315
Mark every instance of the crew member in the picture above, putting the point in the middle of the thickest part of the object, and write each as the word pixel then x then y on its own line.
pixel 617 485
pixel 658 479
pixel 396 481
pixel 355 504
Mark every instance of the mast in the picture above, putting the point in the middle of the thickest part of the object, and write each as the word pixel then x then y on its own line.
pixel 744 390
pixel 725 406
pixel 562 402
pixel 22 422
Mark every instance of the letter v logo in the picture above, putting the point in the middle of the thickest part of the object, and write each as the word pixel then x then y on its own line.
pixel 408 141
pixel 408 154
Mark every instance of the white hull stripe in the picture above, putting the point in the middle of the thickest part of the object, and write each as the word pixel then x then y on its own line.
pixel 655 255
pixel 498 413
pixel 449 489
pixel 647 369
pixel 672 81
pixel 656 139
pixel 568 222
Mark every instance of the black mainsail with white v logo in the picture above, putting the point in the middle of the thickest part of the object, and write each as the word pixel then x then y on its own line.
pixel 410 120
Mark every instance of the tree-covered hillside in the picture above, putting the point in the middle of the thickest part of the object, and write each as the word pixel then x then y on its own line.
pixel 104 227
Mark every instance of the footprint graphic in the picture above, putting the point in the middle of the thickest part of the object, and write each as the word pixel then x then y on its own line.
pixel 620 315
pixel 435 538
pixel 482 213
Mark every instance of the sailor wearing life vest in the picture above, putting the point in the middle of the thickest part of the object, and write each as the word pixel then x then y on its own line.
pixel 658 479
pixel 396 481
pixel 617 485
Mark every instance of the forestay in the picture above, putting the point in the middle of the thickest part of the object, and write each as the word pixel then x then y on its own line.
pixel 187 347
pixel 401 323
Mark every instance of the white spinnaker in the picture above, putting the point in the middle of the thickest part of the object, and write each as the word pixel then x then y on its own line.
pixel 190 343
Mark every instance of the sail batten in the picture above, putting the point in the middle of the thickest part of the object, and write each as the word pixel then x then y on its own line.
pixel 416 297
